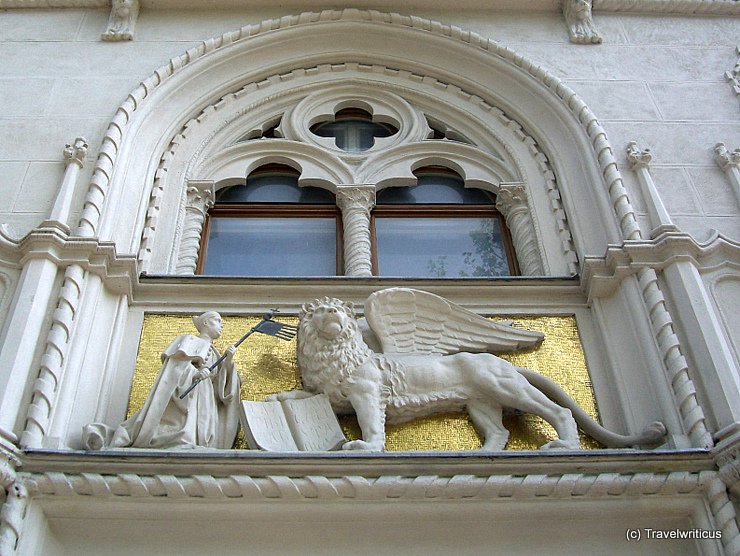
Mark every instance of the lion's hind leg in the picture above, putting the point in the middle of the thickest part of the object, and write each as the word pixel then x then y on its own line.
pixel 487 418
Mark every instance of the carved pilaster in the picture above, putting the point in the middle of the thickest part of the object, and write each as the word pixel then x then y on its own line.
pixel 511 201
pixel 356 202
pixel 660 220
pixel 580 22
pixel 200 197
pixel 730 163
pixel 122 21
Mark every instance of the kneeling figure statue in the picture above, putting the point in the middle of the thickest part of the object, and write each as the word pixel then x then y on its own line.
pixel 207 417
pixel 415 354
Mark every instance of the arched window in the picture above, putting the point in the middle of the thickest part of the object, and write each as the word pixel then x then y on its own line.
pixel 438 228
pixel 272 227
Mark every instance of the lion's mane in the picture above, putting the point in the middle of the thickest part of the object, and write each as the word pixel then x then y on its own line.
pixel 328 365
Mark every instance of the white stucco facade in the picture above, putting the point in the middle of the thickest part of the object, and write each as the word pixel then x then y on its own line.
pixel 603 152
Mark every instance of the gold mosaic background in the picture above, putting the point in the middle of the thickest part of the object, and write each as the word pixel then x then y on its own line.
pixel 268 365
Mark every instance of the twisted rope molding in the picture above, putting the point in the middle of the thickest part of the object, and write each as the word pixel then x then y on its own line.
pixel 466 487
pixel 425 487
pixel 46 387
pixel 153 211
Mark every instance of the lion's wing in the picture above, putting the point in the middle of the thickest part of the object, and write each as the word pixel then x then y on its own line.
pixel 407 321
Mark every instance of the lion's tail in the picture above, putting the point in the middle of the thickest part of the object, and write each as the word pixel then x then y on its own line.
pixel 651 435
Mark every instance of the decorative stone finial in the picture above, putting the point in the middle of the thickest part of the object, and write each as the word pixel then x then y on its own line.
pixel 76 152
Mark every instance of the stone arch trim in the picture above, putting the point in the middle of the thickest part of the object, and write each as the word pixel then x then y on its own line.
pixel 507 169
pixel 111 148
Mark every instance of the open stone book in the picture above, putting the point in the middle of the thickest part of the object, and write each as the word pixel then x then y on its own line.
pixel 306 425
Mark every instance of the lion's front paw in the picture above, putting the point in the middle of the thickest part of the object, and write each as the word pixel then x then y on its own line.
pixel 362 445
pixel 561 445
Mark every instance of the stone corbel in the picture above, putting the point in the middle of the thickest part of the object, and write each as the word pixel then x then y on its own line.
pixel 200 197
pixel 580 22
pixel 511 201
pixel 730 163
pixel 122 21
pixel 640 161
pixel 356 202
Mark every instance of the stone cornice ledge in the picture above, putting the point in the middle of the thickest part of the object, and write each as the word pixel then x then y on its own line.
pixel 602 276
pixel 691 7
pixel 341 464
pixel 50 241
pixel 244 295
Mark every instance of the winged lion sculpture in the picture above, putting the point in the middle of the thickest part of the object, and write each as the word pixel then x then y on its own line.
pixel 415 354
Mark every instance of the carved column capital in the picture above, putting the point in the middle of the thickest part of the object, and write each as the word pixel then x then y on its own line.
pixel 356 197
pixel 76 152
pixel 356 202
pixel 200 195
pixel 730 163
pixel 511 196
pixel 511 202
pixel 638 158
pixel 727 458
pixel 122 21
pixel 725 158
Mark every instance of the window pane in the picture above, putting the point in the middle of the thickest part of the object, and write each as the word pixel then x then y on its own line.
pixel 434 189
pixel 271 247
pixel 353 135
pixel 274 189
pixel 440 247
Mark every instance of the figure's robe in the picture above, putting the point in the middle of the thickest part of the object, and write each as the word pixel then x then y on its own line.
pixel 208 417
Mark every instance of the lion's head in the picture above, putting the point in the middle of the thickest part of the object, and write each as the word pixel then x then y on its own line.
pixel 330 345
pixel 328 319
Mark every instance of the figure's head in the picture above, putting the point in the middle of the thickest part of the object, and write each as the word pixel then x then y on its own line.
pixel 328 317
pixel 209 324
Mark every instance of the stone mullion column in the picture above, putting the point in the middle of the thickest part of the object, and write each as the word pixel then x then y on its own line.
pixel 660 220
pixel 356 202
pixel 730 163
pixel 511 201
pixel 200 198
pixel 34 297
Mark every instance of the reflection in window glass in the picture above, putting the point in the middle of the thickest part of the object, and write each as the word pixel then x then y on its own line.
pixel 440 247
pixel 271 247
